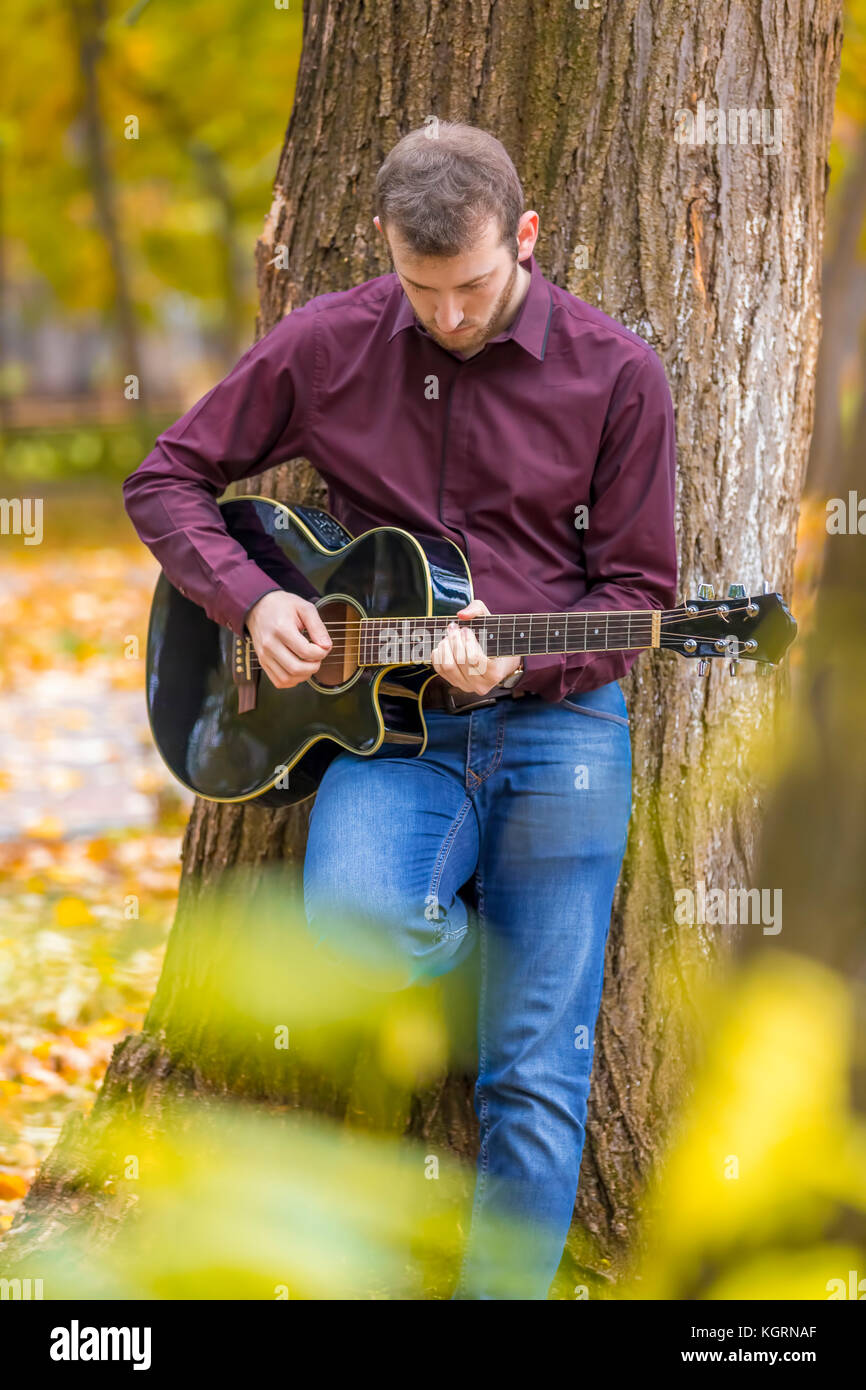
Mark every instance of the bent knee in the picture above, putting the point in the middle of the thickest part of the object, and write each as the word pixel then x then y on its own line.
pixel 384 930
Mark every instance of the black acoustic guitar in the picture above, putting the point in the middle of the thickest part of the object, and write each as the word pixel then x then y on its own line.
pixel 386 598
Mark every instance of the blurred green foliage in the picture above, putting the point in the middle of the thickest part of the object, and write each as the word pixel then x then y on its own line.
pixel 107 452
pixel 218 1197
pixel 212 88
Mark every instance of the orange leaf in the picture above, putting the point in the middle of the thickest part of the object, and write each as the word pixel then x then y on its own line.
pixel 12 1186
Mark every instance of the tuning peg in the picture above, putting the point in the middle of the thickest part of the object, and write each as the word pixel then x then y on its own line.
pixel 703 667
pixel 767 588
pixel 736 591
pixel 732 668
pixel 706 591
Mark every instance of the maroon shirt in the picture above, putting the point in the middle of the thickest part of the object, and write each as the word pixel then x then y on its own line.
pixel 565 409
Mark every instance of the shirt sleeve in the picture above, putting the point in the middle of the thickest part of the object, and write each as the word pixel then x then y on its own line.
pixel 630 543
pixel 254 418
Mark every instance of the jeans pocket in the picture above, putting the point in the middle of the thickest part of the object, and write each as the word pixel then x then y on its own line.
pixel 595 713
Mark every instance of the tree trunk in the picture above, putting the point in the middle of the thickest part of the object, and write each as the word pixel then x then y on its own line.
pixel 90 18
pixel 712 253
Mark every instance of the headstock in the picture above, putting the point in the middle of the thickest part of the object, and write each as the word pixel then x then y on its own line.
pixel 737 628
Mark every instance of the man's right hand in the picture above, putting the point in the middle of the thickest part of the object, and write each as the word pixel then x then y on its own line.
pixel 276 626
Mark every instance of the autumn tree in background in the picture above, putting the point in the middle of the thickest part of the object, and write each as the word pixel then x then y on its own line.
pixel 711 252
pixel 838 378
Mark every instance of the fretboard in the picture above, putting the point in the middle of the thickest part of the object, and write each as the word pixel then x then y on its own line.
pixel 411 641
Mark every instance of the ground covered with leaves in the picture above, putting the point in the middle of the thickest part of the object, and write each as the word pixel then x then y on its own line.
pixel 90 829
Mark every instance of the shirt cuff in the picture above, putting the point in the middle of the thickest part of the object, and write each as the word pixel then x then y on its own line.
pixel 241 590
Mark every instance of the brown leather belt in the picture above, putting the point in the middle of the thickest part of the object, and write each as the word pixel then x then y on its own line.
pixel 440 695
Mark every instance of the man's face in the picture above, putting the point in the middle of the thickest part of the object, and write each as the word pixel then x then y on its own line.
pixel 459 299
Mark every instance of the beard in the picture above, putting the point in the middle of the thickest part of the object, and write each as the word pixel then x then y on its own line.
pixel 479 335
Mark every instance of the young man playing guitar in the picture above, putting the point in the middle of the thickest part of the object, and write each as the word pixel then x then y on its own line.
pixel 464 396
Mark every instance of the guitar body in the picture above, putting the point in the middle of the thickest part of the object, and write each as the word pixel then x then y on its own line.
pixel 224 730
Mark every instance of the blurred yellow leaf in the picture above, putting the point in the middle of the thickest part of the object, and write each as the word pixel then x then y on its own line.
pixel 73 912
pixel 12 1186
pixel 99 849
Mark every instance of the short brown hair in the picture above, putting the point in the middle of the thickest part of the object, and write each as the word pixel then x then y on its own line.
pixel 440 184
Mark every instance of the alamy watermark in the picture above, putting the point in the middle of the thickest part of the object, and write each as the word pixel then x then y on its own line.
pixel 406 643
pixel 708 125
pixel 703 906
pixel 846 517
pixel 22 516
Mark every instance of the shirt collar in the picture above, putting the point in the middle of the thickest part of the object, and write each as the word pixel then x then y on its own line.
pixel 529 328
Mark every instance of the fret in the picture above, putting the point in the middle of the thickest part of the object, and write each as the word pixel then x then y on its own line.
pixel 395 641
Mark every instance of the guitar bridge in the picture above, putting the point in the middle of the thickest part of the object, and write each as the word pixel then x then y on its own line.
pixel 245 675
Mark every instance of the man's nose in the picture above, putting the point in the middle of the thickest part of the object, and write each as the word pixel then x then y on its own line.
pixel 449 316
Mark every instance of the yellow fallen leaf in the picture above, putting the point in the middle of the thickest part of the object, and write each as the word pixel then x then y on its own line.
pixel 99 849
pixel 85 651
pixel 73 912
pixel 103 1028
pixel 12 1186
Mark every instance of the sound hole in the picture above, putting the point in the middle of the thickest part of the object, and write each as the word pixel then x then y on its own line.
pixel 343 623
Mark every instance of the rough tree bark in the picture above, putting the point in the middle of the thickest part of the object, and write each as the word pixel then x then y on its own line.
pixel 712 253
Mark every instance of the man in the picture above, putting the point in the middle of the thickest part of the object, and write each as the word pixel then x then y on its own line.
pixel 463 395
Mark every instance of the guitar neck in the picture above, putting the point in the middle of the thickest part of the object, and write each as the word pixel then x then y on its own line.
pixel 410 641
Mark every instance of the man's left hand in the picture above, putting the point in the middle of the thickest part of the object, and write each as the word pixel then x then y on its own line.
pixel 460 660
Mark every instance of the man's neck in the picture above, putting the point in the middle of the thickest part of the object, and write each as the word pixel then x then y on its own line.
pixel 521 289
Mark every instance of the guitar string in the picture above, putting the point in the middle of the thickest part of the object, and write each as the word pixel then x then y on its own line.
pixel 436 621
pixel 667 620
pixel 621 628
pixel 673 645
pixel 668 616
pixel 621 624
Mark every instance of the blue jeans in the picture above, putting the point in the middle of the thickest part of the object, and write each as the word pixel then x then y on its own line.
pixel 532 800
